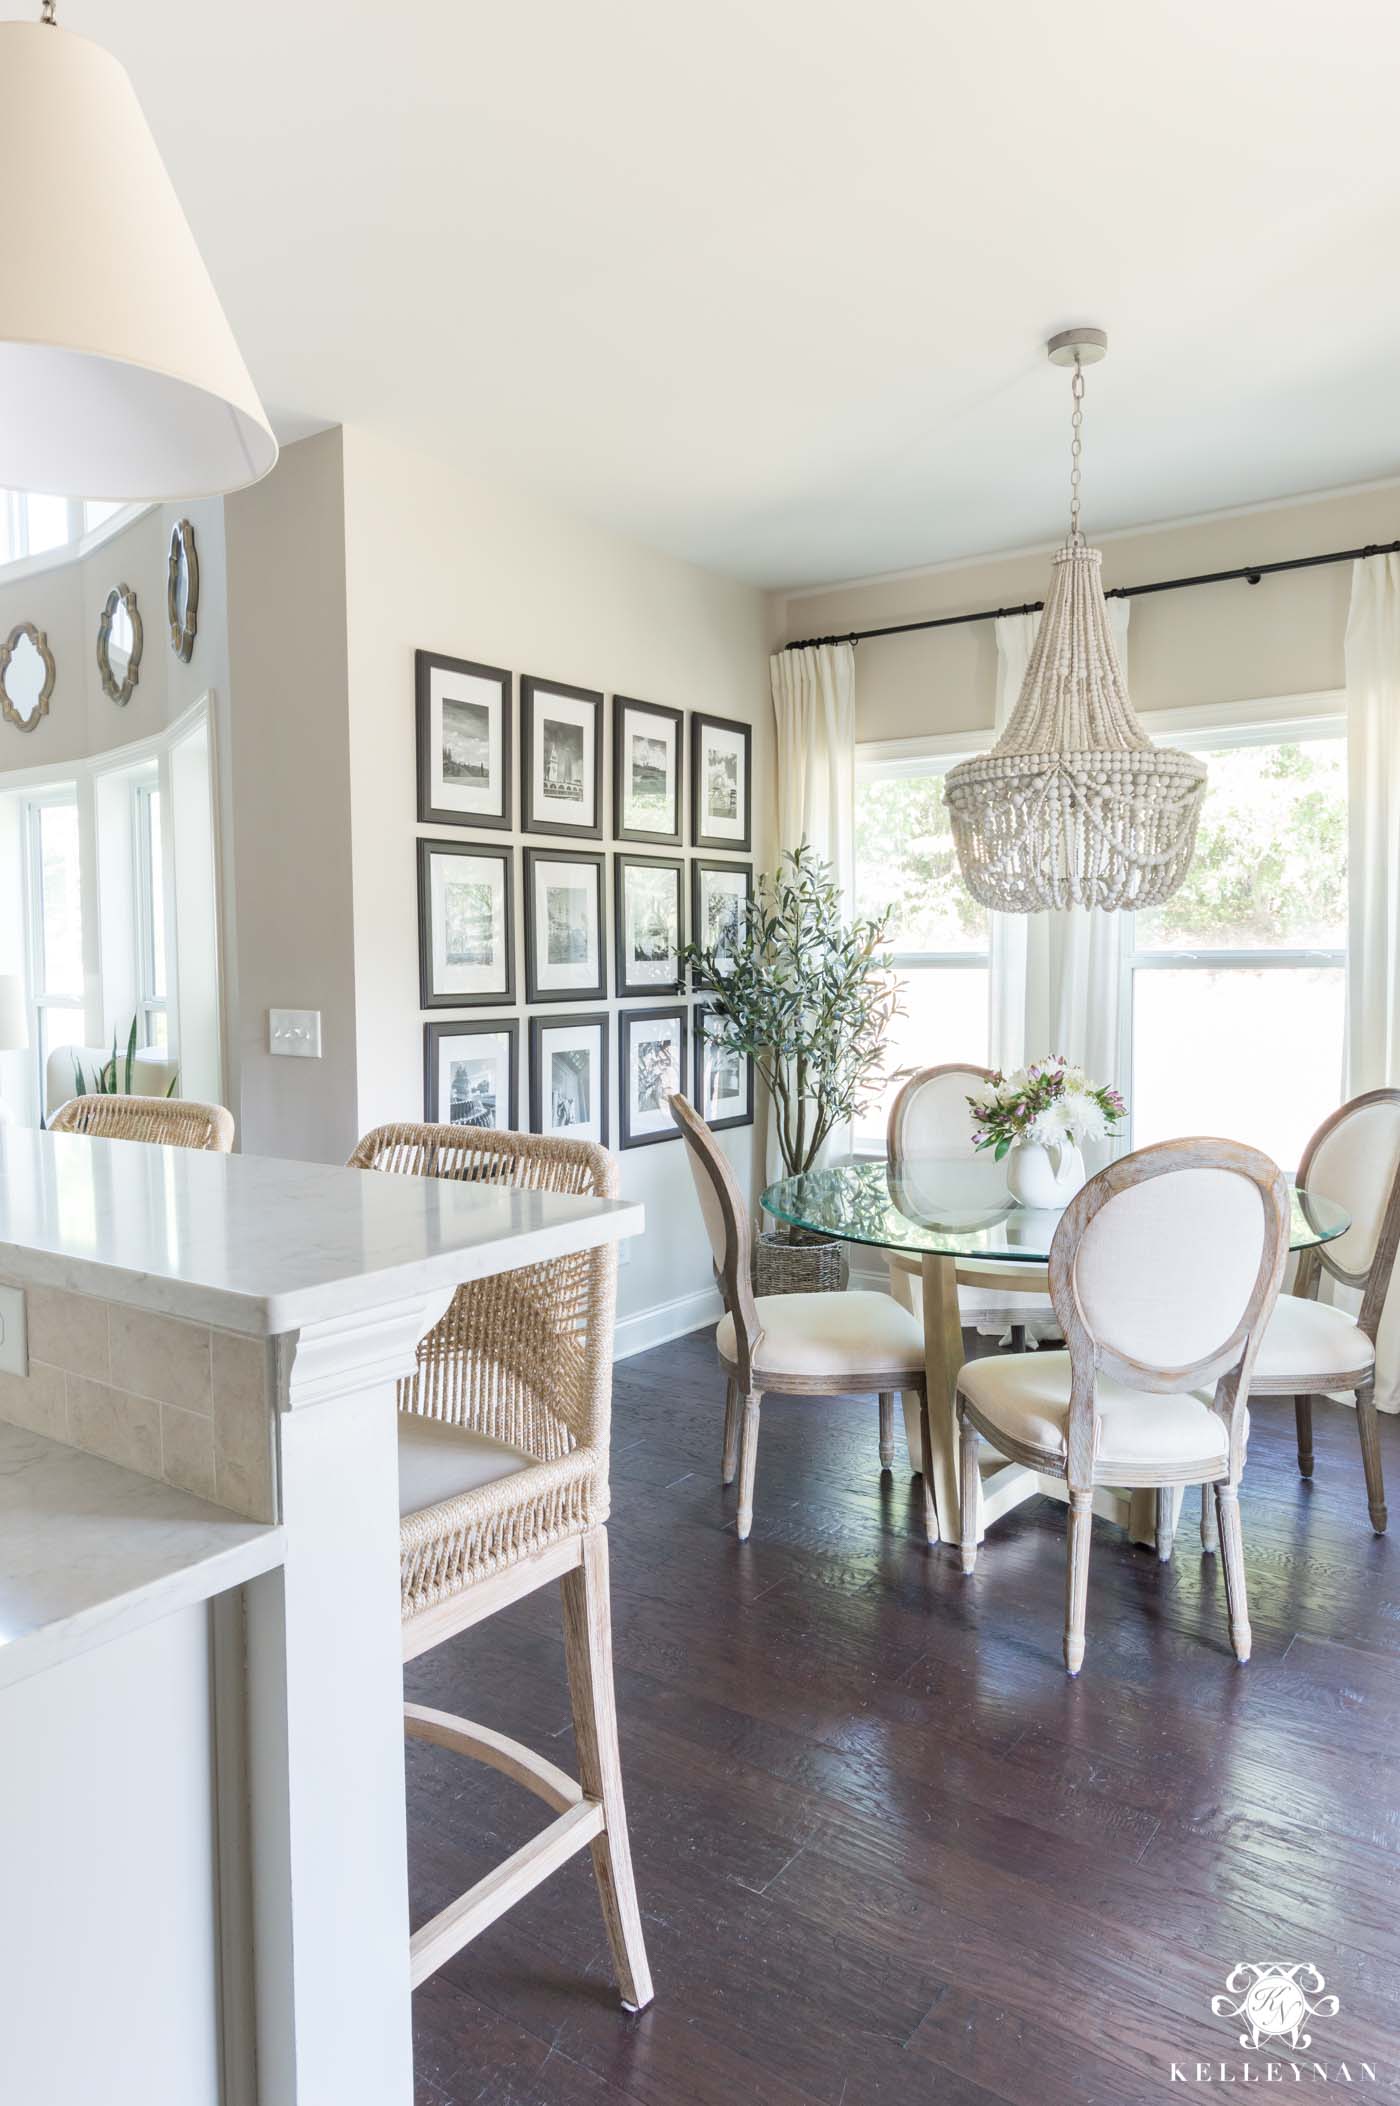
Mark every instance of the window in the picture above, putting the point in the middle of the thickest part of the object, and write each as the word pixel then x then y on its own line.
pixel 905 857
pixel 55 923
pixel 1235 998
pixel 34 525
pixel 154 1028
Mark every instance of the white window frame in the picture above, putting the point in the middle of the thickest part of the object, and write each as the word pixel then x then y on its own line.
pixel 41 996
pixel 892 760
pixel 149 1004
pixel 81 541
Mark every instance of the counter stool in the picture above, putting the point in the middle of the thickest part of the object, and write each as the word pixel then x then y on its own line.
pixel 503 1487
pixel 171 1122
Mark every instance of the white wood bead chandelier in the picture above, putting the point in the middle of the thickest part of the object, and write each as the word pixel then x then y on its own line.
pixel 1074 806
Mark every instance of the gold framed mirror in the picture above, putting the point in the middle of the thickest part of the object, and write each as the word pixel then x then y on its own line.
pixel 27 675
pixel 182 590
pixel 119 645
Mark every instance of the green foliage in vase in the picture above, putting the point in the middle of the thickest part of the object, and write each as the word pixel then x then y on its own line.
pixel 113 1078
pixel 808 994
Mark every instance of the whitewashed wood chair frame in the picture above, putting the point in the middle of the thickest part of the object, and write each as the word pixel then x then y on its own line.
pixel 1027 1286
pixel 886 1374
pixel 1107 1283
pixel 1369 1248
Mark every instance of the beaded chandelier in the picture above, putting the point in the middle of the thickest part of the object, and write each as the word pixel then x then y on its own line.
pixel 1074 806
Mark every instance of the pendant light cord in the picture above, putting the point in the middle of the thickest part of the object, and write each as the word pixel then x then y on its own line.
pixel 48 13
pixel 1076 452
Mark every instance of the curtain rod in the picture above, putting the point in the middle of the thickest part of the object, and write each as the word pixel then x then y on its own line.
pixel 1250 572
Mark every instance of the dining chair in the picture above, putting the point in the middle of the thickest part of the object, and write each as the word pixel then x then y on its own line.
pixel 1309 1347
pixel 931 1117
pixel 1163 1272
pixel 504 1438
pixel 171 1122
pixel 798 1345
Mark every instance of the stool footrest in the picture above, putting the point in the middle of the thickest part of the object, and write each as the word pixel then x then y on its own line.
pixel 471 1913
pixel 521 1764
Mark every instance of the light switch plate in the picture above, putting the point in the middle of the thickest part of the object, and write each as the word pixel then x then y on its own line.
pixel 14 1342
pixel 296 1032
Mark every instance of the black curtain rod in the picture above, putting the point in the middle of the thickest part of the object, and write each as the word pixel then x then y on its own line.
pixel 1250 572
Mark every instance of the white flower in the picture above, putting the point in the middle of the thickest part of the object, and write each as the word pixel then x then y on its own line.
pixel 1051 1126
pixel 1076 1079
pixel 1012 1086
pixel 985 1095
pixel 1084 1117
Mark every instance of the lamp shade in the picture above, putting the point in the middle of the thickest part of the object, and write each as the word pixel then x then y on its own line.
pixel 119 375
pixel 14 1019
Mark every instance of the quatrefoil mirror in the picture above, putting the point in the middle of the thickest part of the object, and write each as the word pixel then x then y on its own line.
pixel 119 644
pixel 182 590
pixel 26 676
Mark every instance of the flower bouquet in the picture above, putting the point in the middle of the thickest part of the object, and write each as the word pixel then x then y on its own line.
pixel 1041 1116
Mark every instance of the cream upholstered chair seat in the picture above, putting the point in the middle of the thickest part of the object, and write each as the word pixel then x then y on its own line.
pixel 1026 1398
pixel 822 1335
pixel 438 1461
pixel 1303 1338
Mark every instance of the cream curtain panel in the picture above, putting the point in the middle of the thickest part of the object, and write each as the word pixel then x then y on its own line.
pixel 1373 788
pixel 1055 975
pixel 814 705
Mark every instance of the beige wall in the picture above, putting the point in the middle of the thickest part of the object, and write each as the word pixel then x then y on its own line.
pixel 287 804
pixel 437 561
pixel 1217 643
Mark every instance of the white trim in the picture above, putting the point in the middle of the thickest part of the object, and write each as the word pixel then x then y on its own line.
pixel 72 551
pixel 665 1321
pixel 885 760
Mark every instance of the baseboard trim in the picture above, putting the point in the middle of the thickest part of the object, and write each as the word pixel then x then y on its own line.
pixel 666 1320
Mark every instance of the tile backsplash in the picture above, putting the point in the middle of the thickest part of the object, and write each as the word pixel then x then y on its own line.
pixel 170 1399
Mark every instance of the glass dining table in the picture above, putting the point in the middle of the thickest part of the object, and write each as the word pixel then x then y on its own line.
pixel 939 1220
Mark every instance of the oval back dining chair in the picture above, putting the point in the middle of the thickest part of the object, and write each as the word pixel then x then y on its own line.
pixel 171 1122
pixel 1163 1272
pixel 932 1117
pixel 1311 1348
pixel 797 1345
pixel 504 1439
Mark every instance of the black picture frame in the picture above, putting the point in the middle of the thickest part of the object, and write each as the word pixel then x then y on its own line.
pixel 627 987
pixel 533 692
pixel 647 836
pixel 540 1028
pixel 425 664
pixel 596 989
pixel 700 835
pixel 501 997
pixel 506 1027
pixel 699 1043
pixel 629 1021
pixel 702 867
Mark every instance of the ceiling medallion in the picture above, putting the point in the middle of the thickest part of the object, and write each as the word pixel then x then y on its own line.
pixel 1074 806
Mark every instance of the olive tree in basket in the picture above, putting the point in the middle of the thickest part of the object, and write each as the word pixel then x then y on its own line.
pixel 809 994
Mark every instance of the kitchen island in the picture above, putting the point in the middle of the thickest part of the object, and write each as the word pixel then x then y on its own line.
pixel 201 1761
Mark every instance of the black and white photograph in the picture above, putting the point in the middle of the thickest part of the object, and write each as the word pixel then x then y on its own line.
pixel 648 898
pixel 470 1073
pixel 651 1068
pixel 723 1072
pixel 720 894
pixel 466 924
pixel 569 1077
pixel 721 795
pixel 565 940
pixel 464 744
pixel 561 743
pixel 648 742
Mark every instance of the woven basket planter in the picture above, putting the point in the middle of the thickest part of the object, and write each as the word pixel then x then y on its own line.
pixel 816 1265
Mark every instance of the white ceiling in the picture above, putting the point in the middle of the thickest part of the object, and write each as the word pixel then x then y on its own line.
pixel 764 282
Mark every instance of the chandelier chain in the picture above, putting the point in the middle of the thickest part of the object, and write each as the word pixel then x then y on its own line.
pixel 48 12
pixel 1076 451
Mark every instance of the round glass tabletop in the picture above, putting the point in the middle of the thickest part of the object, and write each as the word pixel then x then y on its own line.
pixel 960 1209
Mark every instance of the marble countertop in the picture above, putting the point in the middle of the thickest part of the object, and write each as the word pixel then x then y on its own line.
pixel 258 1245
pixel 89 1551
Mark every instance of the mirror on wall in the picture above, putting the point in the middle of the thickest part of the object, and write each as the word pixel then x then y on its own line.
pixel 182 590
pixel 26 676
pixel 119 645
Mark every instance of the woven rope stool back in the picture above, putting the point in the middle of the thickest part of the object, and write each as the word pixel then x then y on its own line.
pixel 172 1122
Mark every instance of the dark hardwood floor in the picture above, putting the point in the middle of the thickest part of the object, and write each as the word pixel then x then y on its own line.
pixel 886 1851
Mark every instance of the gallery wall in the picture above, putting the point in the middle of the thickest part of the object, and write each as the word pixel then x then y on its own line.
pixel 1216 643
pixel 439 562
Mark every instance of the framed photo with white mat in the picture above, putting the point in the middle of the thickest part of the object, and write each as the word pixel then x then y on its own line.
pixel 648 765
pixel 471 1073
pixel 723 1074
pixel 464 743
pixel 561 745
pixel 466 925
pixel 721 784
pixel 566 948
pixel 720 896
pixel 649 907
pixel 569 1077
pixel 651 1068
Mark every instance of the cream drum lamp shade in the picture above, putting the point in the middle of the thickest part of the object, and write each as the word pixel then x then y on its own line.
pixel 119 375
